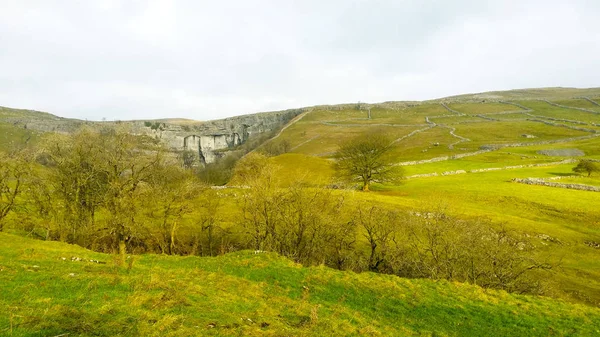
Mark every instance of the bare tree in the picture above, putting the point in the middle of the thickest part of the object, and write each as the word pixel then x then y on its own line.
pixel 169 199
pixel 13 172
pixel 260 199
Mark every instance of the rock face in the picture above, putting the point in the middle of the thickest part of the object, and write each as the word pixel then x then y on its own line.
pixel 206 145
pixel 210 140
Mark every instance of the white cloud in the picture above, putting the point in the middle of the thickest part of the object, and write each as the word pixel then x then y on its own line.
pixel 206 59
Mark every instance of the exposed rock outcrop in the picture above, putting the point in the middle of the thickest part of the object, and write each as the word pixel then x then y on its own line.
pixel 209 140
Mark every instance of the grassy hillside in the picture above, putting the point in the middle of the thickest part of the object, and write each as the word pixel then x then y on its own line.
pixel 461 155
pixel 429 136
pixel 46 292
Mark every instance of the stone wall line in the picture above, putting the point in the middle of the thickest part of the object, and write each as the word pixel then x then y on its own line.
pixel 488 118
pixel 443 158
pixel 570 107
pixel 410 135
pixel 558 119
pixel 541 182
pixel 563 125
pixel 489 169
pixel 508 112
pixel 591 101
pixel 461 139
pixel 517 105
pixel 368 124
pixel 451 110
pixel 492 147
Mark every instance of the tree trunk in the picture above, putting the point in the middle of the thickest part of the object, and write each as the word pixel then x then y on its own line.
pixel 210 240
pixel 122 249
pixel 172 243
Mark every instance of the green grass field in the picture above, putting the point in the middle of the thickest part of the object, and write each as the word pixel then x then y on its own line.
pixel 578 103
pixel 571 216
pixel 482 108
pixel 544 109
pixel 45 293
pixel 247 294
pixel 10 136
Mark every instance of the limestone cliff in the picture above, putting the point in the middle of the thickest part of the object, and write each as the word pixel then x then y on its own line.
pixel 209 140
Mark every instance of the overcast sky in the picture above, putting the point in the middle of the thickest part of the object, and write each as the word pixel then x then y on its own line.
pixel 212 59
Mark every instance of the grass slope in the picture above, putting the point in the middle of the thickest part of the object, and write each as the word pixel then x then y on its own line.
pixel 252 295
pixel 572 217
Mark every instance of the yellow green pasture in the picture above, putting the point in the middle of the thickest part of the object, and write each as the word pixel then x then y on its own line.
pixel 482 108
pixel 544 109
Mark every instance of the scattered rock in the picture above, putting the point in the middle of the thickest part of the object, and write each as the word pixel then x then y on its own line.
pixel 592 244
pixel 562 152
pixel 542 182
pixel 449 173
pixel 528 136
pixel 548 238
pixel 79 259
pixel 96 261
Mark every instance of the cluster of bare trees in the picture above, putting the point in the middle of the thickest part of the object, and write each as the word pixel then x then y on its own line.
pixel 14 171
pixel 315 226
pixel 103 189
pixel 437 246
pixel 112 191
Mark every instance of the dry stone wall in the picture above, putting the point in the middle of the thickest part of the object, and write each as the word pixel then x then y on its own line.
pixel 489 169
pixel 542 182
pixel 452 110
pixel 570 107
pixel 591 101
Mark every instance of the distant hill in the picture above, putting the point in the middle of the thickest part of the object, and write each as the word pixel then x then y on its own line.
pixel 528 94
pixel 227 133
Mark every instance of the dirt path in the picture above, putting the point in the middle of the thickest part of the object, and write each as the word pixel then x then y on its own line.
pixel 290 123
pixel 304 142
